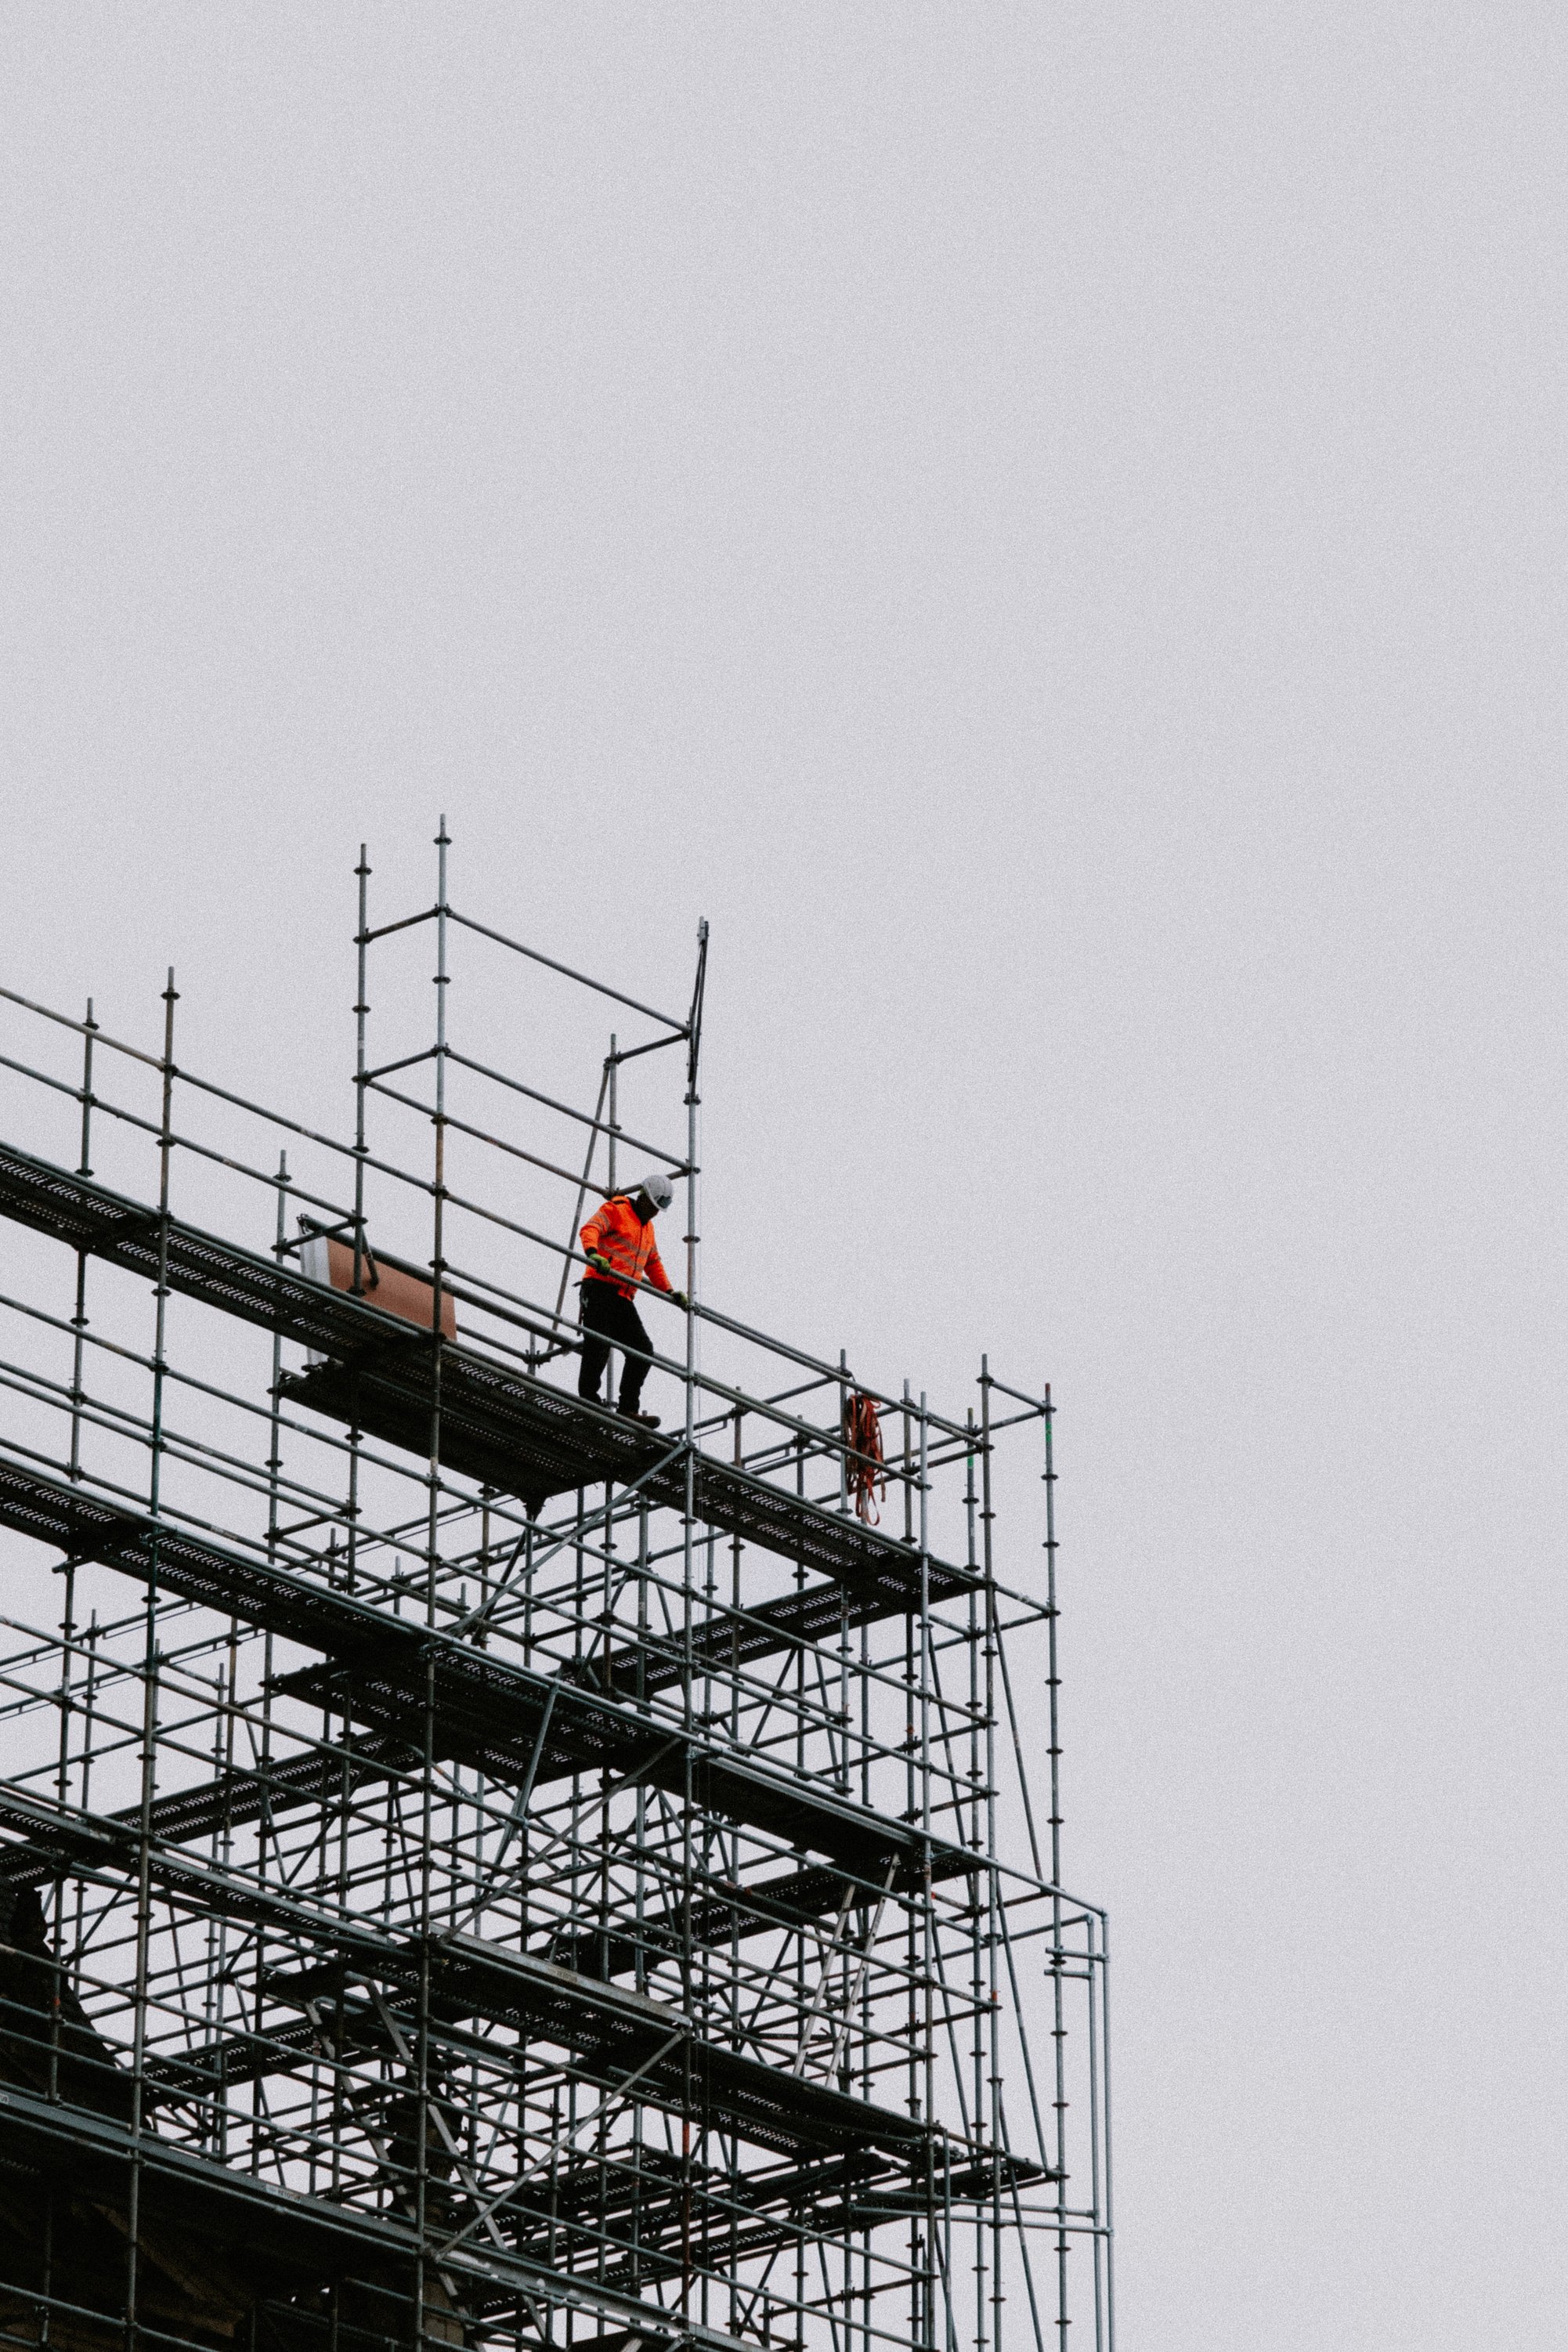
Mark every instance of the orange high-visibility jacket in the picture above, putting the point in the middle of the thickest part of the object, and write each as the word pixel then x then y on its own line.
pixel 619 1233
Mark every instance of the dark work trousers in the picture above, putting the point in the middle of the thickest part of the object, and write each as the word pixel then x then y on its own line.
pixel 611 1321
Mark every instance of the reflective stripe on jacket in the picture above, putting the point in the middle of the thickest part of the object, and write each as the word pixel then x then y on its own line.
pixel 619 1233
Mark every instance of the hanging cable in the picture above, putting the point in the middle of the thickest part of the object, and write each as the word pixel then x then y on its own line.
pixel 863 1445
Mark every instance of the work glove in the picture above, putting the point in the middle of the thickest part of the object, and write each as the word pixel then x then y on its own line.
pixel 678 1298
pixel 599 1264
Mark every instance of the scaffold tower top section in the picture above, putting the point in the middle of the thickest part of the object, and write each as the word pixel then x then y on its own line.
pixel 480 1865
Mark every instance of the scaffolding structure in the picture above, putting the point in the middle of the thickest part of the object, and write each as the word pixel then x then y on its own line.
pixel 478 1869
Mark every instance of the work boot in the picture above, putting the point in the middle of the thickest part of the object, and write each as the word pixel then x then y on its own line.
pixel 647 1420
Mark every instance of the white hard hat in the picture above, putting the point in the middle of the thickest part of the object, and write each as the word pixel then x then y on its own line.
pixel 659 1189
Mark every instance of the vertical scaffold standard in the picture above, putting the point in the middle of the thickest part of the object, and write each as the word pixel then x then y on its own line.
pixel 478 1869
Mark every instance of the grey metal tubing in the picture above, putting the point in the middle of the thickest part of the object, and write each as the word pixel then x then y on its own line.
pixel 535 956
pixel 583 1118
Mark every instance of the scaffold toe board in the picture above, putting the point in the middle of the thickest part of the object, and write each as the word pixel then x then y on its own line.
pixel 525 1437
pixel 615 2036
pixel 499 1717
pixel 242 1795
pixel 494 1726
pixel 518 1434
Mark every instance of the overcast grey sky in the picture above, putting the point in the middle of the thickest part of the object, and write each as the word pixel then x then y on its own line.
pixel 1047 525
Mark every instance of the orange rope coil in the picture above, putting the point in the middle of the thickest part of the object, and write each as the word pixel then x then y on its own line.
pixel 863 1455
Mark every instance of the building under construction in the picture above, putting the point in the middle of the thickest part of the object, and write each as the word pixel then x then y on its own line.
pixel 477 1869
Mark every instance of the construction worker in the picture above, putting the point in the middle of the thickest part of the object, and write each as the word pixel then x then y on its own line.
pixel 619 1244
